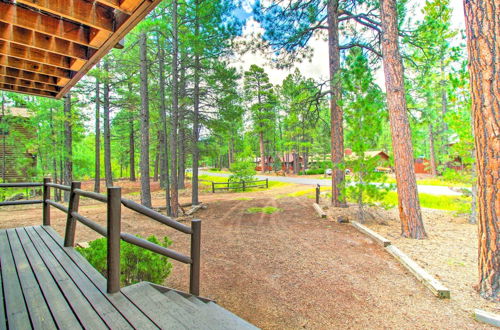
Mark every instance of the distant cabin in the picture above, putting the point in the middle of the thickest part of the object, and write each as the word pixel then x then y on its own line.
pixel 15 135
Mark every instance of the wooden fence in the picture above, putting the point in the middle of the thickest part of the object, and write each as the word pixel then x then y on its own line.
pixel 112 231
pixel 241 185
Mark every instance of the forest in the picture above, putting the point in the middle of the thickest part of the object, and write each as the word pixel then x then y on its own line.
pixel 176 98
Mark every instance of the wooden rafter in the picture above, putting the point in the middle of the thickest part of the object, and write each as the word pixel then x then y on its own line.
pixel 46 46
pixel 29 84
pixel 26 75
pixel 49 25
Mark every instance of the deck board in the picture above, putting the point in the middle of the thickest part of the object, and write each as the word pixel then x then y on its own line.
pixel 39 313
pixel 80 306
pixel 124 305
pixel 59 307
pixel 103 307
pixel 16 312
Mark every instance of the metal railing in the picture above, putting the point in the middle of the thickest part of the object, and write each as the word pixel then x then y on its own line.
pixel 112 231
pixel 240 185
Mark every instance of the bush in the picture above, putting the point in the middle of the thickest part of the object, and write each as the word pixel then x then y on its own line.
pixel 242 171
pixel 137 264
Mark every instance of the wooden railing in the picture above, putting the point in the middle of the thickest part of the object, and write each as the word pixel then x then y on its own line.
pixel 112 231
pixel 240 185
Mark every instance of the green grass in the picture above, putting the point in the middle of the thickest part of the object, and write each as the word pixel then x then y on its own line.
pixel 265 209
pixel 212 178
pixel 459 204
pixel 244 199
pixel 439 181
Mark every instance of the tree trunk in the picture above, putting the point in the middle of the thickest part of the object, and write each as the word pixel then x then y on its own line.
pixel 97 178
pixel 157 160
pixel 163 131
pixel 196 114
pixel 175 109
pixel 432 151
pixel 337 129
pixel 107 130
pixel 262 152
pixel 53 141
pixel 144 166
pixel 182 126
pixel 409 205
pixel 483 45
pixel 68 144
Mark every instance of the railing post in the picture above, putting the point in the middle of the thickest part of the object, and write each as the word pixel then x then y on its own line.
pixel 243 184
pixel 74 199
pixel 46 206
pixel 318 188
pixel 213 187
pixel 267 183
pixel 194 278
pixel 114 231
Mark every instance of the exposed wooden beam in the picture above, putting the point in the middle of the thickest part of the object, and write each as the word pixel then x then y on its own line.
pixel 28 19
pixel 115 4
pixel 35 67
pixel 28 84
pixel 37 55
pixel 101 18
pixel 42 41
pixel 26 75
pixel 25 90
pixel 141 11
pixel 129 5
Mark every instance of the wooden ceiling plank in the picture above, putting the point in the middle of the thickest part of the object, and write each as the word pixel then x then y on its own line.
pixel 22 17
pixel 45 42
pixel 26 75
pixel 129 5
pixel 141 11
pixel 25 90
pixel 28 84
pixel 115 4
pixel 34 67
pixel 33 54
pixel 80 11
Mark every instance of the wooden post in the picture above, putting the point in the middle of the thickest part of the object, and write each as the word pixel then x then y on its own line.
pixel 74 199
pixel 46 206
pixel 318 190
pixel 114 232
pixel 243 184
pixel 194 278
pixel 213 188
pixel 267 183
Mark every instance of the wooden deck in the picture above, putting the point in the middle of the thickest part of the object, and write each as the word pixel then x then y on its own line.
pixel 45 285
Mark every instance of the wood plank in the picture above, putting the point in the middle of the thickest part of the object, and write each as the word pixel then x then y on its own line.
pixel 59 307
pixel 430 282
pixel 38 311
pixel 80 11
pixel 25 90
pixel 50 25
pixel 3 320
pixel 101 305
pixel 35 67
pixel 375 236
pixel 116 4
pixel 142 10
pixel 26 75
pixel 81 307
pixel 142 296
pixel 133 314
pixel 319 210
pixel 46 42
pixel 37 55
pixel 486 317
pixel 16 311
pixel 28 84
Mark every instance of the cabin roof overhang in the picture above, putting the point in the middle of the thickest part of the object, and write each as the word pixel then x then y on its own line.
pixel 47 46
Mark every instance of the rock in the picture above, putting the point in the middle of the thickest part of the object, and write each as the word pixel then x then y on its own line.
pixel 342 220
pixel 15 198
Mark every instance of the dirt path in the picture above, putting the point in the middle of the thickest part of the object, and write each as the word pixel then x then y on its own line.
pixel 288 270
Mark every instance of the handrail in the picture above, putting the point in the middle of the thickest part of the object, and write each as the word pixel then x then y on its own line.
pixel 92 195
pixel 57 205
pixel 20 185
pixel 20 202
pixel 113 232
pixel 58 186
pixel 155 216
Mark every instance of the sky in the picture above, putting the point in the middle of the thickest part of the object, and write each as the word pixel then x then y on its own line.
pixel 317 67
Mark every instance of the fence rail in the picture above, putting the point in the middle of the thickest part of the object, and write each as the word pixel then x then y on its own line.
pixel 112 231
pixel 243 185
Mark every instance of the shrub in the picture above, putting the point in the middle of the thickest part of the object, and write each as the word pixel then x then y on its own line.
pixel 137 264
